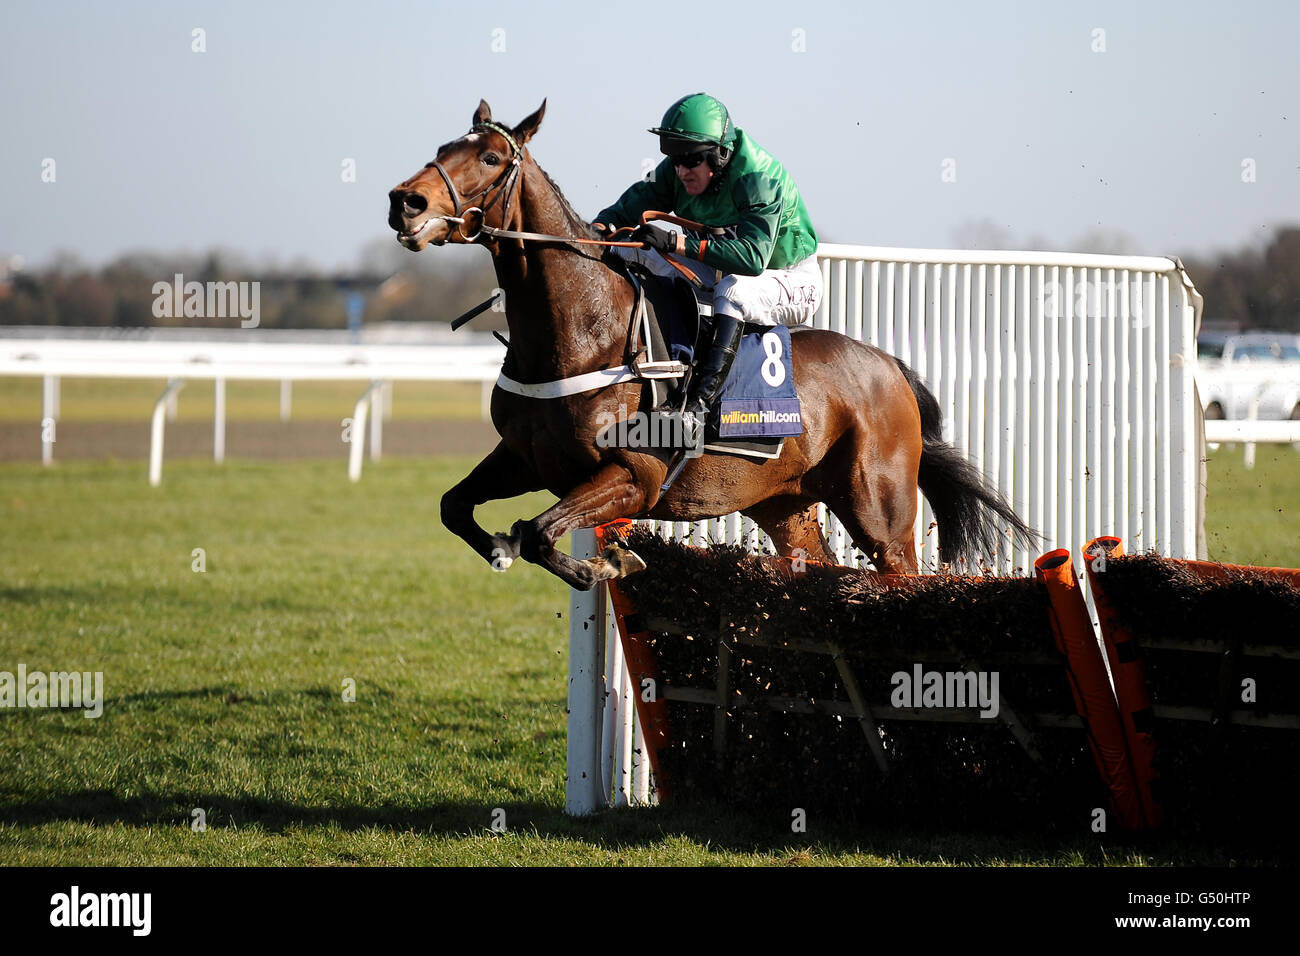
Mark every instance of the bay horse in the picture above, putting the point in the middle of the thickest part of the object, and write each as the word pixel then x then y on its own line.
pixel 872 430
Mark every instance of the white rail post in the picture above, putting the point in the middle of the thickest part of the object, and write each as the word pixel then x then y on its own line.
pixel 49 417
pixel 1252 415
pixel 357 436
pixel 286 398
pixel 377 420
pixel 219 420
pixel 156 430
pixel 582 782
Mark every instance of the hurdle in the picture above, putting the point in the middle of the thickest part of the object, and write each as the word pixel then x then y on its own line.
pixel 1067 379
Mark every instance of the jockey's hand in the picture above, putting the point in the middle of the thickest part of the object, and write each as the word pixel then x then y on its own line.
pixel 601 228
pixel 652 237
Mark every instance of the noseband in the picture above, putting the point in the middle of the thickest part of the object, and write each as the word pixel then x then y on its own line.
pixel 503 185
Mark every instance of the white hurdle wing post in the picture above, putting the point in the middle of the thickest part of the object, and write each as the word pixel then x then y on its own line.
pixel 611 725
pixel 582 785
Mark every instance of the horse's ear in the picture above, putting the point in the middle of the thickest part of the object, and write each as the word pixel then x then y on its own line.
pixel 525 130
pixel 483 114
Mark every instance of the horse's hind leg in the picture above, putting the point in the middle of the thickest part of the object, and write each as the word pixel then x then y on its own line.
pixel 793 527
pixel 879 513
pixel 876 504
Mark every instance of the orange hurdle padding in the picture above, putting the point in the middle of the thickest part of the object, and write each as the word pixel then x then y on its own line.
pixel 641 664
pixel 1072 630
pixel 1212 571
pixel 1129 674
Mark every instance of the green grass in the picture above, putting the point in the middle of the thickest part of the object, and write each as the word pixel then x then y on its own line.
pixel 132 400
pixel 223 688
pixel 1252 516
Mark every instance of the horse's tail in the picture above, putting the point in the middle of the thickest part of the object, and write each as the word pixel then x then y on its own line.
pixel 966 509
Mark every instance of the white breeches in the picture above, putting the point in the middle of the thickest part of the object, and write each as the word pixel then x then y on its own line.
pixel 774 297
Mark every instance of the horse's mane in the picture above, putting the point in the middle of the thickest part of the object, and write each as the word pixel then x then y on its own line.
pixel 581 227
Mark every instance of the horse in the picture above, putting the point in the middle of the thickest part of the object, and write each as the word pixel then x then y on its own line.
pixel 872 430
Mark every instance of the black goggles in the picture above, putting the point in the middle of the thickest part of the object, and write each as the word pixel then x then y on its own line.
pixel 689 160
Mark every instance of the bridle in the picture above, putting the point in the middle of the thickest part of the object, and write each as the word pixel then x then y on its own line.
pixel 503 185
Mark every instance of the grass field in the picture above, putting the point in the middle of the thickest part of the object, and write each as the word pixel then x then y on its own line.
pixel 1252 516
pixel 224 688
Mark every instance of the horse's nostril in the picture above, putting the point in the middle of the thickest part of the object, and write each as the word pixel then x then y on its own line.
pixel 414 204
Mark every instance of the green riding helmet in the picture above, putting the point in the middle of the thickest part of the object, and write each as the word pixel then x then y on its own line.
pixel 693 122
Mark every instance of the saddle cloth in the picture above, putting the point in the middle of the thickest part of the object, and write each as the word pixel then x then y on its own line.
pixel 759 406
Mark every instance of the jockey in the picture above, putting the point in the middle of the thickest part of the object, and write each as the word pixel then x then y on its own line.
pixel 762 269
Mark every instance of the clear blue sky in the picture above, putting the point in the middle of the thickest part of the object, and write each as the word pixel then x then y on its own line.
pixel 161 148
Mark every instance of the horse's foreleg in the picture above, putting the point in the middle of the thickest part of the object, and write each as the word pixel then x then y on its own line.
pixel 502 474
pixel 612 492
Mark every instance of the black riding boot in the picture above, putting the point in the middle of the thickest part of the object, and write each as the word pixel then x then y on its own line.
pixel 711 374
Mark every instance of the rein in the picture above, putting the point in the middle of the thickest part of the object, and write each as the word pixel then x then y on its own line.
pixel 650 215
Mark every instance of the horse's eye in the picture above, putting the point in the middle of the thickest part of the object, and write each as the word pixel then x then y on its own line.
pixel 491 159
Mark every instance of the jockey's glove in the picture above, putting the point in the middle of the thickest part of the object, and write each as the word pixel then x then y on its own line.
pixel 652 237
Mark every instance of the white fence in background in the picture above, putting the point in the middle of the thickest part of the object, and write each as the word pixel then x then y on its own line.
pixel 1067 379
pixel 179 361
pixel 1256 402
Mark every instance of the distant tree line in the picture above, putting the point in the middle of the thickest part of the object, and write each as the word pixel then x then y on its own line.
pixel 1256 288
pixel 1253 287
pixel 398 286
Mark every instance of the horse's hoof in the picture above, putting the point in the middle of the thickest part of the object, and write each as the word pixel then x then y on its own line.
pixel 623 561
pixel 504 551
